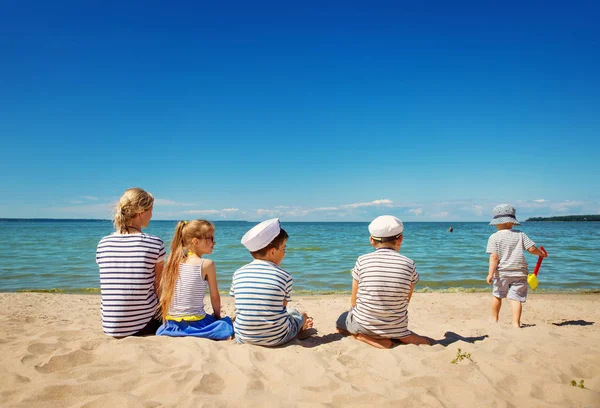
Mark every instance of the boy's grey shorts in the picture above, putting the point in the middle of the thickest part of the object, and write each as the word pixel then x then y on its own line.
pixel 514 288
pixel 347 322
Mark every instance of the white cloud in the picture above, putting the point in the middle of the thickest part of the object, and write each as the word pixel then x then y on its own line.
pixel 442 214
pixel 416 211
pixel 230 210
pixel 374 203
pixel 566 205
pixel 266 212
pixel 91 198
pixel 541 200
pixel 325 209
pixel 201 212
pixel 164 201
pixel 477 210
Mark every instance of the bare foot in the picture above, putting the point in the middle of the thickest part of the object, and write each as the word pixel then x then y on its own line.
pixel 377 343
pixel 308 322
pixel 517 325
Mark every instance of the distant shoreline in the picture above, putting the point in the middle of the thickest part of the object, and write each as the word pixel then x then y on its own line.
pixel 567 218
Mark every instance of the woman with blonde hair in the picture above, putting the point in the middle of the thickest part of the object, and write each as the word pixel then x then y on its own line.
pixel 184 283
pixel 131 263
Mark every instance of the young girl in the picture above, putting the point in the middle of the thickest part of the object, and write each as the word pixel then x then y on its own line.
pixel 130 265
pixel 184 285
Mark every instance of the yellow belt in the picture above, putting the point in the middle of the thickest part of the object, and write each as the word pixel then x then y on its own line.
pixel 193 318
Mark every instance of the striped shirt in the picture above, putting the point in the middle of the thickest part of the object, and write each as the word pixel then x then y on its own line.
pixel 188 299
pixel 510 245
pixel 126 265
pixel 260 288
pixel 384 282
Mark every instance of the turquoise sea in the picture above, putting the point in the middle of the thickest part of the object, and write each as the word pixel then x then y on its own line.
pixel 59 255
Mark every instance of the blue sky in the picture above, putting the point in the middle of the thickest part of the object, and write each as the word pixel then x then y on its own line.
pixel 434 111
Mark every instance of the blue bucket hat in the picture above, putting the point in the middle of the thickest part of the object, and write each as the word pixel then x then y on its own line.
pixel 504 213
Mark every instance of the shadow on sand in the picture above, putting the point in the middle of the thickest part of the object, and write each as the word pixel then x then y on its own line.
pixel 574 323
pixel 451 337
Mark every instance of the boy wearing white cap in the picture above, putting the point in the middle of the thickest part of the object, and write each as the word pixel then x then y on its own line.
pixel 262 290
pixel 382 285
pixel 507 268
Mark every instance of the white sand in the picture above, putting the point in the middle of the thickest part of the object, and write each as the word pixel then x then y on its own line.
pixel 53 353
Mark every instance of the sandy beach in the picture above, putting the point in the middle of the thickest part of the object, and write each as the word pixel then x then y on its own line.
pixel 55 354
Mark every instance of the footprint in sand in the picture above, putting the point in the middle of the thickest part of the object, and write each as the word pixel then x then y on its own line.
pixel 210 384
pixel 185 376
pixel 259 356
pixel 43 348
pixel 65 361
pixel 349 362
pixel 254 385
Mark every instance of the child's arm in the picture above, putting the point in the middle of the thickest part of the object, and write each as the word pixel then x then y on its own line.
pixel 412 288
pixel 492 268
pixel 210 274
pixel 354 292
pixel 158 270
pixel 535 251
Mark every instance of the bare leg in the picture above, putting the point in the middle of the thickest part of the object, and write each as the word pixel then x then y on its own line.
pixel 415 339
pixel 496 303
pixel 342 331
pixel 517 308
pixel 378 343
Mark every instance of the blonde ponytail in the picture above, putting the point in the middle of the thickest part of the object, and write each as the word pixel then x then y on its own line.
pixel 185 232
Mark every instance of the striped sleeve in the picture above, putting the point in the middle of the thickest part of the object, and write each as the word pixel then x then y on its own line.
pixel 415 275
pixel 356 270
pixel 527 242
pixel 492 245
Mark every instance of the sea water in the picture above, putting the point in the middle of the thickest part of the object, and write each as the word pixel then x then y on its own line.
pixel 59 255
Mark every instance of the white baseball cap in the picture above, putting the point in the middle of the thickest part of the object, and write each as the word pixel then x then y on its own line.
pixel 261 234
pixel 386 226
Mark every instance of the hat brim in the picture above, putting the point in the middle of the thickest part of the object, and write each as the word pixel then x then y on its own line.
pixel 504 220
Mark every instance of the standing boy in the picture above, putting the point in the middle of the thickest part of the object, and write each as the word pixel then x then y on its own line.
pixel 508 269
pixel 382 285
pixel 262 291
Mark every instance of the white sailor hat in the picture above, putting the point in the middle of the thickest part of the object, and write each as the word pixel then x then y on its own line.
pixel 261 235
pixel 385 226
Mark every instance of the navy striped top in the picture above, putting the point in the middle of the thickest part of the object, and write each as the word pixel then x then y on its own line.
pixel 126 263
pixel 260 288
pixel 384 281
pixel 188 299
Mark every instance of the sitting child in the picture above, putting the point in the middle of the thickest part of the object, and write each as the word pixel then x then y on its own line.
pixel 262 291
pixel 382 285
pixel 184 285
pixel 507 268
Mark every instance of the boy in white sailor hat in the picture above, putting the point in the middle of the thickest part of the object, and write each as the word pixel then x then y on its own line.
pixel 383 282
pixel 262 290
pixel 507 271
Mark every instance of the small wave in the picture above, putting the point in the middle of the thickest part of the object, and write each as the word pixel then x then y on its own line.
pixel 305 249
pixel 59 290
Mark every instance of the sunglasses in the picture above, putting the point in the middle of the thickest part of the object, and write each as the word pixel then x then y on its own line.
pixel 212 239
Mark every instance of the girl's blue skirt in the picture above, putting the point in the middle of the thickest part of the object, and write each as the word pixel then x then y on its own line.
pixel 208 328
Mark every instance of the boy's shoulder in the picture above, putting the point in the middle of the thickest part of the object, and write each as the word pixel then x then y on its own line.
pixel 506 232
pixel 261 265
pixel 389 254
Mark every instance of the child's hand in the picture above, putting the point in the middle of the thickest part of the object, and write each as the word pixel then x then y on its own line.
pixel 489 279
